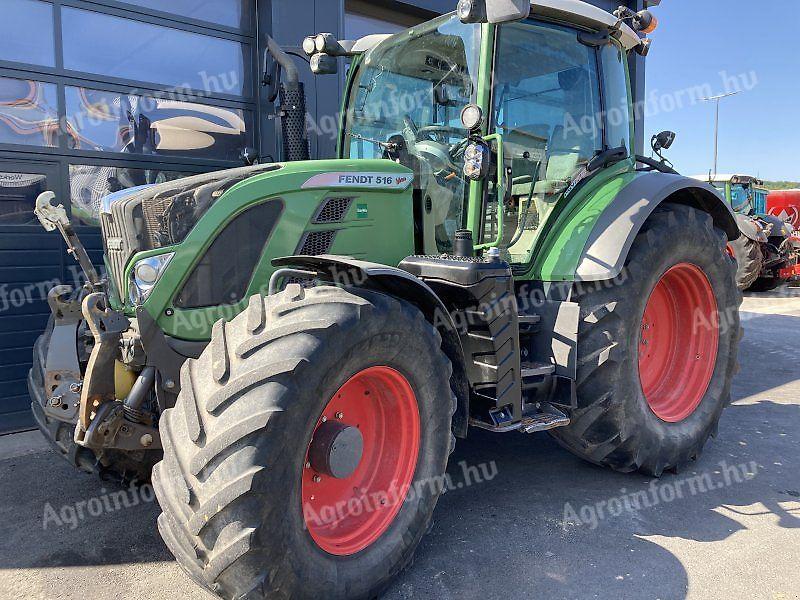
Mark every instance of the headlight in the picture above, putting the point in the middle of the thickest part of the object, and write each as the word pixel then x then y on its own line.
pixel 476 161
pixel 145 274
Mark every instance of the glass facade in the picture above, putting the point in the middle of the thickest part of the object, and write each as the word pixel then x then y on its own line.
pixel 137 91
pixel 133 124
pixel 18 192
pixel 28 112
pixel 129 49
pixel 229 13
pixel 20 19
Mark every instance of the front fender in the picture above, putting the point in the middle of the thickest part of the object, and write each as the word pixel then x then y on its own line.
pixel 404 286
pixel 616 228
pixel 750 229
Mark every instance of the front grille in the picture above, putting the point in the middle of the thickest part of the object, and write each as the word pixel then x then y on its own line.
pixel 117 249
pixel 315 243
pixel 333 210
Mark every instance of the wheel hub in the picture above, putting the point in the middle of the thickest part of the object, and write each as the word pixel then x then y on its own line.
pixel 361 461
pixel 336 449
pixel 679 343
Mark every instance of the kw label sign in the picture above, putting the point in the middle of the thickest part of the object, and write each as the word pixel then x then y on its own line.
pixel 787 213
pixel 368 181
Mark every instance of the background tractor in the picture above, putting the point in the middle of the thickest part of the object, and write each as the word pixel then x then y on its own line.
pixel 305 341
pixel 767 251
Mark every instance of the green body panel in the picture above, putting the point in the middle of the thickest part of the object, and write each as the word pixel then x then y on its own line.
pixel 561 244
pixel 378 226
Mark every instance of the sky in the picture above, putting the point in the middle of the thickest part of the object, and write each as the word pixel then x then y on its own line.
pixel 718 46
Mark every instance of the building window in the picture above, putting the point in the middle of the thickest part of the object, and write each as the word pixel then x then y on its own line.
pixel 113 122
pixel 28 112
pixel 364 18
pixel 124 48
pixel 230 13
pixel 89 184
pixel 18 193
pixel 26 29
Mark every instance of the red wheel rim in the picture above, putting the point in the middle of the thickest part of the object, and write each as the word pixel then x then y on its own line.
pixel 345 516
pixel 679 343
pixel 730 251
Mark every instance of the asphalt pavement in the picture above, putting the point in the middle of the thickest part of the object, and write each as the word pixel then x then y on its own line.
pixel 524 518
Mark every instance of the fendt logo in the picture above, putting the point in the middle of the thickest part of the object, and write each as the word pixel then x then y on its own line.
pixel 373 181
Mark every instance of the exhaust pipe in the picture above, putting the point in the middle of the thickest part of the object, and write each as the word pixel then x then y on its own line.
pixel 293 106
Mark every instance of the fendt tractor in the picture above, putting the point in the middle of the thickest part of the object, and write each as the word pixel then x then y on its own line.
pixel 297 346
pixel 768 249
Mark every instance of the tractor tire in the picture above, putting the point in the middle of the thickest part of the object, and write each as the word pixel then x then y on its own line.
pixel 253 507
pixel 749 259
pixel 124 468
pixel 657 349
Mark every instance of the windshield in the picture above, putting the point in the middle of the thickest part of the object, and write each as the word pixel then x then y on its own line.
pixel 405 105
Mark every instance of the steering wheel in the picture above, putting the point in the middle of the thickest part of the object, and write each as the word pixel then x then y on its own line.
pixel 438 132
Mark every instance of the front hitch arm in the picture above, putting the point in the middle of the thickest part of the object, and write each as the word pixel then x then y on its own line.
pixel 54 217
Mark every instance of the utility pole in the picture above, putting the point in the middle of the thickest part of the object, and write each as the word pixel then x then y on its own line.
pixel 716 124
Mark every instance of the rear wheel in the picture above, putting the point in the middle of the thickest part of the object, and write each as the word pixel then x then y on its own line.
pixel 657 352
pixel 294 442
pixel 749 259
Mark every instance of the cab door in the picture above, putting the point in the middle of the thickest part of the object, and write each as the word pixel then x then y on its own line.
pixel 547 109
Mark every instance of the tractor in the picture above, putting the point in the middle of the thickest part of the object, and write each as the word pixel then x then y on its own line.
pixel 293 349
pixel 767 252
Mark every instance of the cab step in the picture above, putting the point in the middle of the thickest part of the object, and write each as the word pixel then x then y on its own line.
pixel 544 421
pixel 536 369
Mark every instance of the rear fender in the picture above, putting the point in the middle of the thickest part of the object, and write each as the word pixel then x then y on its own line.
pixel 405 286
pixel 614 232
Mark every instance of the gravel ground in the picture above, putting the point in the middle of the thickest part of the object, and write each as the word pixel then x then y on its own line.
pixel 534 523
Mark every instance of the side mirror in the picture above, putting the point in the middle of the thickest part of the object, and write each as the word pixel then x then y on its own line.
pixel 663 141
pixel 324 64
pixel 493 11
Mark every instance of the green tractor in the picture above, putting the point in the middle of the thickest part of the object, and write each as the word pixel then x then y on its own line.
pixel 767 250
pixel 299 345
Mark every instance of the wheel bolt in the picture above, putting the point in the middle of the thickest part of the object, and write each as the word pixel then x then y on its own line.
pixel 308 465
pixel 340 415
pixel 317 478
pixel 324 419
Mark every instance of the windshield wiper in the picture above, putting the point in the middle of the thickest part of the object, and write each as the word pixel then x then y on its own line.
pixel 390 146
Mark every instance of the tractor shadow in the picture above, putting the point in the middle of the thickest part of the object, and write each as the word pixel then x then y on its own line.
pixel 513 537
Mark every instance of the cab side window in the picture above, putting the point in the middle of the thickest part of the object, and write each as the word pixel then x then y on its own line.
pixel 615 85
pixel 546 104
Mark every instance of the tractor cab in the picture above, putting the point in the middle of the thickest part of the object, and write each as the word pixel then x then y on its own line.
pixel 747 195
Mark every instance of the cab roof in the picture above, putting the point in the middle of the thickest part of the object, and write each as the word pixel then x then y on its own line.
pixel 725 178
pixel 571 11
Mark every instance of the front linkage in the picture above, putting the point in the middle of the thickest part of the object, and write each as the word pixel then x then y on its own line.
pixel 96 390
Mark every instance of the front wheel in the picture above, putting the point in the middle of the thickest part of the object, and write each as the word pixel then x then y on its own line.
pixel 749 260
pixel 657 349
pixel 307 449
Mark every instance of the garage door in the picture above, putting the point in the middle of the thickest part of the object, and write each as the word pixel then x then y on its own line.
pixel 30 261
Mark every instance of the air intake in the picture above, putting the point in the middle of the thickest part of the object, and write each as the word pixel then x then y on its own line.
pixel 333 210
pixel 315 243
